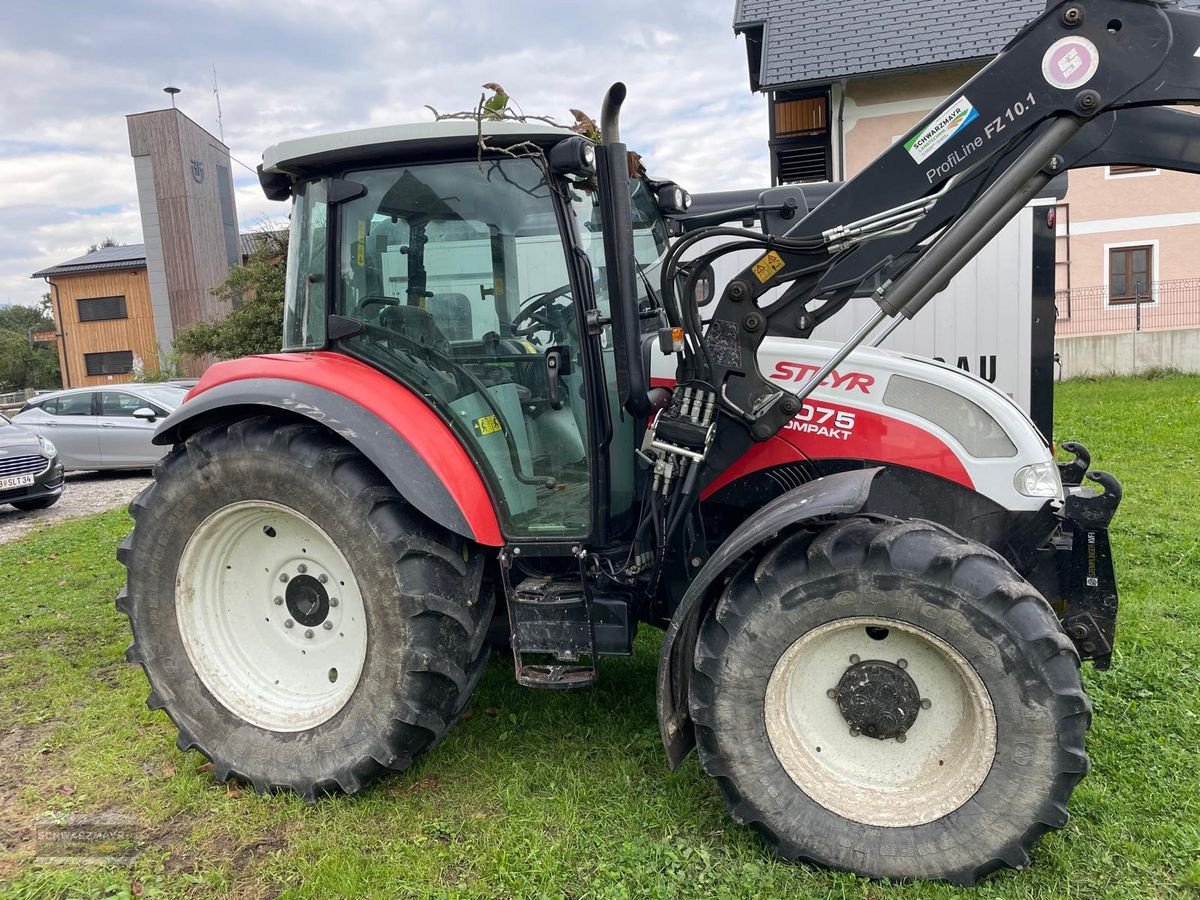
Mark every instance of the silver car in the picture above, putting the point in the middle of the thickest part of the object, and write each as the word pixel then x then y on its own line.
pixel 103 428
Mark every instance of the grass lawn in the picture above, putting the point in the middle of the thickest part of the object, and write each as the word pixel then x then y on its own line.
pixel 548 794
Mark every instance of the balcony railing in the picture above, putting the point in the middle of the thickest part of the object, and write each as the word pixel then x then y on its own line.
pixel 1158 306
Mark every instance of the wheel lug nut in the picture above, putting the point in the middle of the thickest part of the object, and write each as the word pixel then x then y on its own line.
pixel 323 578
pixel 302 568
pixel 902 663
pixel 854 732
pixel 333 601
pixel 283 576
pixel 308 633
pixel 925 704
pixel 288 624
pixel 854 658
pixel 328 626
pixel 831 693
pixel 279 601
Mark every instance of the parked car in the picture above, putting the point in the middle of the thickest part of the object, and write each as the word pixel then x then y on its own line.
pixel 31 474
pixel 103 428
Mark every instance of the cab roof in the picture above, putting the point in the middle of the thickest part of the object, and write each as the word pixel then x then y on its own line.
pixel 309 155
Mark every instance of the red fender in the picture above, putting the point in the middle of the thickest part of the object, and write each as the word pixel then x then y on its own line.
pixel 394 404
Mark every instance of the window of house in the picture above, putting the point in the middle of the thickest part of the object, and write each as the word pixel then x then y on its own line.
pixel 114 362
pixel 1129 270
pixel 800 137
pixel 96 309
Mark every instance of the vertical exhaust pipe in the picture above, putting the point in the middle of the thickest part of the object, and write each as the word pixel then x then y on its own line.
pixel 616 213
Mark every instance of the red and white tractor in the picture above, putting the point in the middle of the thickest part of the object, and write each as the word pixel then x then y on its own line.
pixel 499 409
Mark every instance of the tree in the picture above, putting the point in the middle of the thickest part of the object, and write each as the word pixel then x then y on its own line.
pixel 256 292
pixel 109 241
pixel 24 364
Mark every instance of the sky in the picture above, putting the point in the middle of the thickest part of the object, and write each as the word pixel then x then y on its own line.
pixel 73 69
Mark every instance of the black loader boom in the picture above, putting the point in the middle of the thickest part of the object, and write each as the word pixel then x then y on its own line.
pixel 1076 87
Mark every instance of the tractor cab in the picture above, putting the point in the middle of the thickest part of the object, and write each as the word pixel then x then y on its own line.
pixel 478 279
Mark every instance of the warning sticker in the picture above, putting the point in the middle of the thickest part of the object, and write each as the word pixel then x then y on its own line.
pixel 486 425
pixel 926 142
pixel 766 267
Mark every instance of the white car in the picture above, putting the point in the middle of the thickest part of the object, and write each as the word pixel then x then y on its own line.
pixel 103 427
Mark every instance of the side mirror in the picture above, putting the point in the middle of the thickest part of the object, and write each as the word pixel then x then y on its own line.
pixel 145 413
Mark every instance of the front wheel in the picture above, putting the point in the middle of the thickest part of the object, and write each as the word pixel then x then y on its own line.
pixel 890 699
pixel 303 626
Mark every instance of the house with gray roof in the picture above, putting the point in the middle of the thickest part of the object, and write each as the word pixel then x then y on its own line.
pixel 846 78
pixel 815 58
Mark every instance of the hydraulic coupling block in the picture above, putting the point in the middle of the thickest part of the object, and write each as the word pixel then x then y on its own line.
pixel 679 439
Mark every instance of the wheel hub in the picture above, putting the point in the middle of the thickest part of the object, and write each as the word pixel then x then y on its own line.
pixel 878 699
pixel 271 615
pixel 307 600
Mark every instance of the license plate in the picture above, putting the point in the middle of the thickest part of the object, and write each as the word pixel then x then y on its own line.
pixel 15 481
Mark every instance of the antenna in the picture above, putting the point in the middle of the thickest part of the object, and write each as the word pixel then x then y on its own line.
pixel 217 94
pixel 172 90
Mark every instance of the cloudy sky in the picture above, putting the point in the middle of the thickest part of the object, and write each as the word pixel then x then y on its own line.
pixel 72 70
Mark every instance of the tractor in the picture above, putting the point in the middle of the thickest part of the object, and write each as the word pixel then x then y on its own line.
pixel 513 409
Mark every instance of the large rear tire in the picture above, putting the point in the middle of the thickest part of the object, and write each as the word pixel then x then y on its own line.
pixel 302 626
pixel 890 699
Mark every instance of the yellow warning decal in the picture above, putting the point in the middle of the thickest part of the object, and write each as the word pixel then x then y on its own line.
pixel 766 267
pixel 487 425
pixel 360 253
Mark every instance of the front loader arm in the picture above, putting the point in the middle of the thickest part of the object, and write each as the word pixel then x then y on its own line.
pixel 1079 86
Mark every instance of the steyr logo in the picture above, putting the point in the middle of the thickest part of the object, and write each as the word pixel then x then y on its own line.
pixel 197 171
pixel 846 381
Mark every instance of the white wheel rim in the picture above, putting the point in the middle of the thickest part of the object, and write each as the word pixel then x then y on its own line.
pixel 248 599
pixel 944 757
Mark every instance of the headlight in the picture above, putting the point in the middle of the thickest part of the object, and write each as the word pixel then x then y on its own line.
pixel 1039 480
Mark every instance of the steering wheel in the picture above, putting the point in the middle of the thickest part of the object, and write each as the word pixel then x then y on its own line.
pixel 540 314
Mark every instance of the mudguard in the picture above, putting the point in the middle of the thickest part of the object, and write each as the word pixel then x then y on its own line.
pixel 833 496
pixel 385 421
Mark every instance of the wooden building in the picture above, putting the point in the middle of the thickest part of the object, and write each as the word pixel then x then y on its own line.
pixel 101 304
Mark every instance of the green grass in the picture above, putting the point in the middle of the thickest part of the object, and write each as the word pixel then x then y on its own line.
pixel 545 794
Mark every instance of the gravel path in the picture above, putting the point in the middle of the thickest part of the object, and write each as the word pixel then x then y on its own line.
pixel 86 493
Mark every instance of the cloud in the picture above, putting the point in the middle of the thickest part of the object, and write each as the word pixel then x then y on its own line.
pixel 289 68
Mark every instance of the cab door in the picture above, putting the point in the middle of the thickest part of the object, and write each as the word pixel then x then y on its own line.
pixel 458 276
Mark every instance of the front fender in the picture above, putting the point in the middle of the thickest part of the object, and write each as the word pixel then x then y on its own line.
pixel 833 496
pixel 385 421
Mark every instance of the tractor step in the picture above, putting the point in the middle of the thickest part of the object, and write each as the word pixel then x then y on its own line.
pixel 569 627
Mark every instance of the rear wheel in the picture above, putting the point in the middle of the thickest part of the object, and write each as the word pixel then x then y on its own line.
pixel 891 699
pixel 303 627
